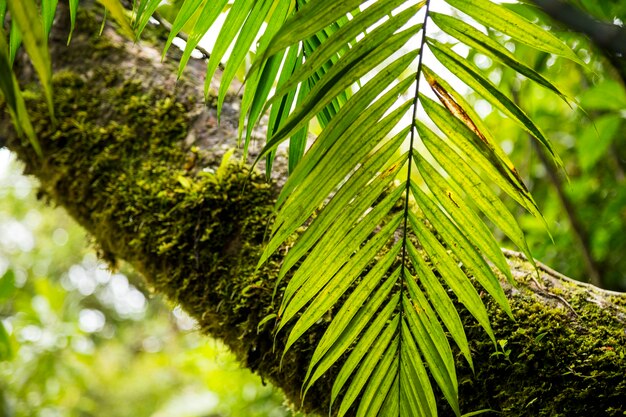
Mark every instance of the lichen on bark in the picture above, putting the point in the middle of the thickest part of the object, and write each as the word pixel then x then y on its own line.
pixel 135 158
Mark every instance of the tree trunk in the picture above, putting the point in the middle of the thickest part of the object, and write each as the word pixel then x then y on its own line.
pixel 135 157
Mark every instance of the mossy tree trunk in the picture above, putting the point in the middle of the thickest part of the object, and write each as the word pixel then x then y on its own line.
pixel 135 158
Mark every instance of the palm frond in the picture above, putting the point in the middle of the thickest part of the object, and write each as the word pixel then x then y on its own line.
pixel 397 316
pixel 388 231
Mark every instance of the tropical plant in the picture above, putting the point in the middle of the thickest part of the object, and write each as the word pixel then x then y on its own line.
pixel 397 190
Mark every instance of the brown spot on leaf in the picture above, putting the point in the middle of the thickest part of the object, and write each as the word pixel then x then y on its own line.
pixel 453 107
pixel 452 199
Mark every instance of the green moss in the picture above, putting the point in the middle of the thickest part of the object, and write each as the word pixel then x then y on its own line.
pixel 115 161
pixel 550 361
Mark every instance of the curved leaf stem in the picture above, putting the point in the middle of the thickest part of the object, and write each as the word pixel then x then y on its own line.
pixel 412 138
pixel 410 160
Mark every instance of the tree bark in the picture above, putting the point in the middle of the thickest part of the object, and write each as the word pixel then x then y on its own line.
pixel 135 157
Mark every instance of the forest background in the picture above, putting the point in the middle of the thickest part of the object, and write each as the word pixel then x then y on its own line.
pixel 88 342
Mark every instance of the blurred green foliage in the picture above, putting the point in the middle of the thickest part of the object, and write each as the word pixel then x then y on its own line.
pixel 79 340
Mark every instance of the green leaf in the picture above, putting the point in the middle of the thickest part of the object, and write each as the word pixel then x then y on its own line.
pixel 247 35
pixel 479 412
pixel 459 242
pixel 380 383
pixel 606 95
pixel 337 285
pixel 343 223
pixel 118 13
pixel 355 314
pixel 15 41
pixel 469 223
pixel 3 11
pixel 470 147
pixel 364 346
pixel 386 342
pixel 298 142
pixel 300 26
pixel 441 302
pixel 334 45
pixel 187 11
pixel 280 110
pixel 478 192
pixel 462 112
pixel 266 319
pixel 358 206
pixel 339 215
pixel 474 38
pixel 259 85
pixel 7 285
pixel 144 12
pixel 6 351
pixel 48 10
pixel 347 119
pixel 254 105
pixel 417 392
pixel 499 18
pixel 12 94
pixel 230 29
pixel 73 10
pixel 210 12
pixel 391 406
pixel 452 275
pixel 302 288
pixel 469 75
pixel 25 14
pixel 432 342
pixel 348 70
pixel 349 207
pixel 368 179
pixel 6 74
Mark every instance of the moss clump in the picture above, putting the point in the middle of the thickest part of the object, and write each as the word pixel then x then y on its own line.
pixel 115 162
pixel 551 361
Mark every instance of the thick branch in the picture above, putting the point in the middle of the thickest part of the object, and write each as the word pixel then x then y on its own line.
pixel 124 161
